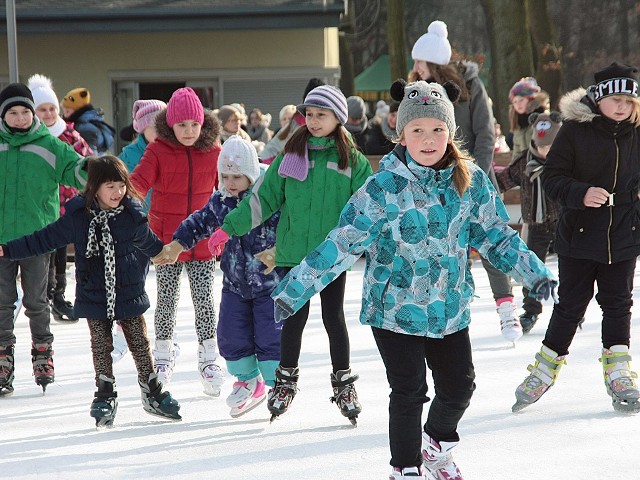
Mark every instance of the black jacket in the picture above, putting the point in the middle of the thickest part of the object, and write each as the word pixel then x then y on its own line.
pixel 591 150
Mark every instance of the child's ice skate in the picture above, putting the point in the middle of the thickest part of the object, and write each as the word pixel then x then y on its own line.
pixel 246 395
pixel 407 472
pixel 105 404
pixel 211 374
pixel 284 391
pixel 156 402
pixel 6 370
pixel 437 459
pixel 164 359
pixel 543 375
pixel 620 379
pixel 344 394
pixel 509 322
pixel 42 361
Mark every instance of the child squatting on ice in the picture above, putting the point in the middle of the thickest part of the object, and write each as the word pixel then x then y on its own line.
pixel 248 336
pixel 113 244
pixel 593 172
pixel 181 167
pixel 414 220
pixel 310 182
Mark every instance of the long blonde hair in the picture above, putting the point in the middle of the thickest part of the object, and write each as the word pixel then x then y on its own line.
pixel 635 113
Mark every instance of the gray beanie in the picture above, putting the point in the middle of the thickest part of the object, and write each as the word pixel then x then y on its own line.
pixel 421 99
pixel 356 107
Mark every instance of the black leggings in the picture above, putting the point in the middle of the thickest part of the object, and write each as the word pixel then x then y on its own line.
pixel 331 300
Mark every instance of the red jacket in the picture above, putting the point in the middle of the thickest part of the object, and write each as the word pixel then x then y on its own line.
pixel 181 178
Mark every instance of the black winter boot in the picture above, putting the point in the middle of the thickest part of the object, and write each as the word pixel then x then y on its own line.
pixel 61 309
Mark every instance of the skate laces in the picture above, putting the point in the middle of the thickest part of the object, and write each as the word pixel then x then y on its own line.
pixel 345 396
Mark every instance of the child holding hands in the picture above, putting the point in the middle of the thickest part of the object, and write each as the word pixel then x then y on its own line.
pixel 415 220
pixel 113 244
pixel 309 182
pixel 248 336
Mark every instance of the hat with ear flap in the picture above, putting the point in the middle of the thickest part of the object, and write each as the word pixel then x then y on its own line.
pixel 76 99
pixel 425 100
pixel 545 127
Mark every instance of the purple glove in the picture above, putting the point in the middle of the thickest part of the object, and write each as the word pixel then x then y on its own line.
pixel 217 241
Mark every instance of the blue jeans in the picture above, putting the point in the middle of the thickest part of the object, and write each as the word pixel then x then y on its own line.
pixel 33 273
pixel 406 358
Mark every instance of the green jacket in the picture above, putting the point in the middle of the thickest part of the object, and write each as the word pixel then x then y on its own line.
pixel 310 209
pixel 32 166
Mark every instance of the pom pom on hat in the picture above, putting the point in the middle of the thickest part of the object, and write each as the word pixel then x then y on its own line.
pixel 42 91
pixel 616 79
pixel 425 100
pixel 238 157
pixel 16 94
pixel 433 46
pixel 144 113
pixel 525 87
pixel 329 97
pixel 76 99
pixel 184 105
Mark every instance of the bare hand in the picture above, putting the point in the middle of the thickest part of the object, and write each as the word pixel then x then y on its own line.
pixel 1 252
pixel 169 254
pixel 595 197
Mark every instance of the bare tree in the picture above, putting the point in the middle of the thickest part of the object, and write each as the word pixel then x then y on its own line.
pixel 395 39
pixel 511 52
pixel 347 74
pixel 547 51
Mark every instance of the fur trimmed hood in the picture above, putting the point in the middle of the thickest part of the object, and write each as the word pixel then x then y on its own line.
pixel 577 106
pixel 209 136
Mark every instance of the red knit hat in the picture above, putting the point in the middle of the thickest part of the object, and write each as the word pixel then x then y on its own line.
pixel 184 105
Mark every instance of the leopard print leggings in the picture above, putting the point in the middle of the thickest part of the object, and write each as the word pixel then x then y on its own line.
pixel 135 332
pixel 201 274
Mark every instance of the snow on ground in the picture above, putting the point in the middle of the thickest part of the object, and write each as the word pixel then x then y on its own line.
pixel 572 433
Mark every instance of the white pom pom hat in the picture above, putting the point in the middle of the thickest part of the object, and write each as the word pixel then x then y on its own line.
pixel 42 91
pixel 433 46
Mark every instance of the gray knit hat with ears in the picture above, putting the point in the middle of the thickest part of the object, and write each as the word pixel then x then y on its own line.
pixel 425 100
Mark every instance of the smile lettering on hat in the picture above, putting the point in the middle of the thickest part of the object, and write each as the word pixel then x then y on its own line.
pixel 616 86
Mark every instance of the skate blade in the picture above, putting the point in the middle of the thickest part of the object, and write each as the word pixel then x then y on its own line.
pixel 167 416
pixel 104 424
pixel 61 319
pixel 519 406
pixel 354 421
pixel 249 408
pixel 626 407
pixel 6 392
pixel 274 416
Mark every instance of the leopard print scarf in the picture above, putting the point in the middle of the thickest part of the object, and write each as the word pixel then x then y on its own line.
pixel 101 219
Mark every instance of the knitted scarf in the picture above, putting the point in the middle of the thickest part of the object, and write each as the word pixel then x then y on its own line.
pixel 533 170
pixel 296 166
pixel 101 219
pixel 389 133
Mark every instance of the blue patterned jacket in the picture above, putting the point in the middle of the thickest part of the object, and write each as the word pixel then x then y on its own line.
pixel 242 271
pixel 415 232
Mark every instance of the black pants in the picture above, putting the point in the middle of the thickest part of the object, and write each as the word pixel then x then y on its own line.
pixel 406 358
pixel 577 278
pixel 539 238
pixel 331 300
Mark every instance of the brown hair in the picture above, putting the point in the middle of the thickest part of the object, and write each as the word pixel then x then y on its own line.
pixel 452 72
pixel 538 102
pixel 103 169
pixel 346 148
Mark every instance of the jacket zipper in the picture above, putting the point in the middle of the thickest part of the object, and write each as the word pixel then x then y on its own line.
pixel 613 189
pixel 193 250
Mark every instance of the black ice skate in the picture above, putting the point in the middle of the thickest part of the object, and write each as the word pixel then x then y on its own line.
pixel 285 389
pixel 159 403
pixel 62 310
pixel 6 370
pixel 344 394
pixel 42 360
pixel 105 404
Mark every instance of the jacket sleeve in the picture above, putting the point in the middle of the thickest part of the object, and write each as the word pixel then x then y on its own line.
pixel 558 180
pixel 145 174
pixel 360 224
pixel 146 241
pixel 500 244
pixel 69 165
pixel 512 175
pixel 483 126
pixel 265 199
pixel 199 225
pixel 55 235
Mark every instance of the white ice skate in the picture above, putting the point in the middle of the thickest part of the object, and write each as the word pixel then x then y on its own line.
pixel 212 375
pixel 620 379
pixel 246 395
pixel 120 347
pixel 509 322
pixel 437 459
pixel 408 472
pixel 164 359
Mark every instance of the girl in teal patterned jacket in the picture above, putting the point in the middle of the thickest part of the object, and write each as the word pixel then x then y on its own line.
pixel 415 220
